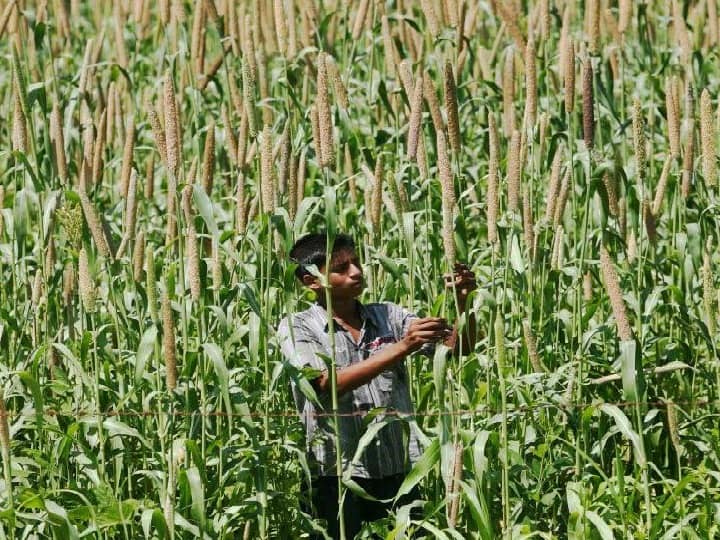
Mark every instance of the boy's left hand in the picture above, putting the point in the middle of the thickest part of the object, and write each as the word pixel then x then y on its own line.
pixel 463 281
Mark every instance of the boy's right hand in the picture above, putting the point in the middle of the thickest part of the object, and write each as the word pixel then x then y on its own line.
pixel 427 330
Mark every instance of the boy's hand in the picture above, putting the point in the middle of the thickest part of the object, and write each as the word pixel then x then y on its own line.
pixel 427 330
pixel 462 281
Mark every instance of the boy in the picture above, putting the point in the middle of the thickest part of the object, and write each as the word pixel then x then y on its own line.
pixel 371 342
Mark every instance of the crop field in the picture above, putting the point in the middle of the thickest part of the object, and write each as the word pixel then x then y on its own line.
pixel 159 159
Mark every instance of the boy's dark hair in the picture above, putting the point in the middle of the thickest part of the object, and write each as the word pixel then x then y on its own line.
pixel 311 249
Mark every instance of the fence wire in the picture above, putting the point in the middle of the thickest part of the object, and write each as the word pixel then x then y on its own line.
pixel 379 412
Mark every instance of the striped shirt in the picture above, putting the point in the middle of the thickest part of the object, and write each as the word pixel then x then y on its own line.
pixel 303 337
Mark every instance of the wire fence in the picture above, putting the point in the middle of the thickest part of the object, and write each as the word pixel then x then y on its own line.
pixel 482 410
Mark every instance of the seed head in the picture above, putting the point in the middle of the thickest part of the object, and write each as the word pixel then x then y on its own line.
pixel 391 55
pixel 360 16
pixel 514 172
pixel 673 428
pixel 531 344
pixel 209 159
pixel 248 82
pixel 451 105
pixel 95 224
pixel 99 149
pixel 159 135
pixel 172 128
pixel 588 105
pixel 709 294
pixel 19 128
pixel 448 199
pixel 432 102
pixel 150 177
pixel 562 199
pixel 324 114
pixel 650 223
pixel 612 287
pixel 127 162
pixel 593 7
pixel 130 214
pixel 138 256
pixel 662 185
pixel 428 10
pixel 267 186
pixel 557 258
pixel 611 190
pixel 554 186
pixel 493 174
pixel 169 343
pixel 638 123
pixel 338 85
pixel 415 121
pixel 240 213
pixel 68 283
pixel 406 78
pixel 625 15
pixel 315 124
pixel 193 256
pixel 631 249
pixel 688 159
pixel 508 92
pixel 88 293
pixel 707 140
pixel 569 75
pixel 281 30
pixel 530 81
pixel 56 134
pixel 587 287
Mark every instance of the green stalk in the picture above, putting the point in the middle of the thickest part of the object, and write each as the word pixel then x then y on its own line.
pixel 330 219
pixel 500 360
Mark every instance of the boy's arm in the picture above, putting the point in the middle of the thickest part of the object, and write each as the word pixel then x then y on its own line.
pixel 420 332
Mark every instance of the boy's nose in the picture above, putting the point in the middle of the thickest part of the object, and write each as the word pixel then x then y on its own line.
pixel 355 270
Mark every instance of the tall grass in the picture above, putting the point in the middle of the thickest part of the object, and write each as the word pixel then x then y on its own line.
pixel 143 391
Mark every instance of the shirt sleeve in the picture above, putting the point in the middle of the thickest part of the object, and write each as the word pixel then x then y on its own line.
pixel 300 347
pixel 403 318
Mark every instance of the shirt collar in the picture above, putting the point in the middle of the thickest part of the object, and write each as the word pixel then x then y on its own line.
pixel 366 315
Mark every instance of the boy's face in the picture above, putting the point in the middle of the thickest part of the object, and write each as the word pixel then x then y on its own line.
pixel 345 276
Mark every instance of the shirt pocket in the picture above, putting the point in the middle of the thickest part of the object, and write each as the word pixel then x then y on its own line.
pixel 377 344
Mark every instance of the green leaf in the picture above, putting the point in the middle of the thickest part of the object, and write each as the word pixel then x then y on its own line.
pixel 660 516
pixel 632 374
pixel 600 524
pixel 367 437
pixel 38 402
pixel 197 494
pixel 221 371
pixel 204 205
pixel 623 424
pixel 145 349
pixel 421 469
pixel 116 428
